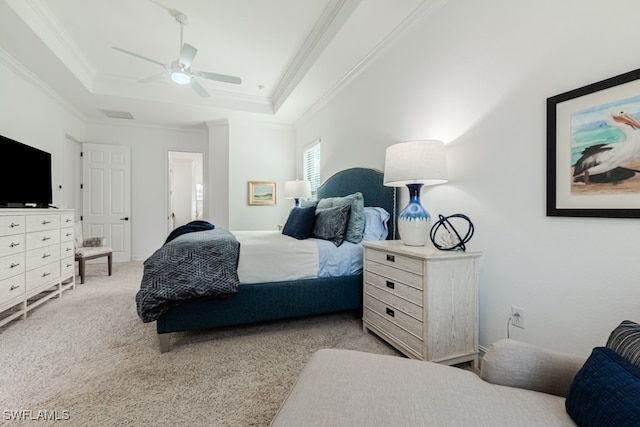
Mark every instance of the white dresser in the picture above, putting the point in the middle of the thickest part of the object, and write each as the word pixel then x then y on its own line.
pixel 423 301
pixel 36 258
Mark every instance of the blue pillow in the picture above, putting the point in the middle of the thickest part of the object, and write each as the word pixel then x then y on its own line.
pixel 331 224
pixel 355 227
pixel 300 223
pixel 605 391
pixel 625 340
pixel 375 223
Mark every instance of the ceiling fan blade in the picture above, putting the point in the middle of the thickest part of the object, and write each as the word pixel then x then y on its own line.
pixel 198 88
pixel 139 56
pixel 152 78
pixel 187 53
pixel 219 77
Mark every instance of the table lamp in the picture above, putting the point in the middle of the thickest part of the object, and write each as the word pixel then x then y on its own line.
pixel 297 190
pixel 414 164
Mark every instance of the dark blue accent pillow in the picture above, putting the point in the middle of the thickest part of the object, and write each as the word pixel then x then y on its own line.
pixel 605 391
pixel 300 223
pixel 331 224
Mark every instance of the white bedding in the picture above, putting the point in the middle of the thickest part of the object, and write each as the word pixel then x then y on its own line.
pixel 270 256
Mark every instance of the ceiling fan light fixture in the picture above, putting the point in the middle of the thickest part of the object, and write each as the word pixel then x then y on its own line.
pixel 180 77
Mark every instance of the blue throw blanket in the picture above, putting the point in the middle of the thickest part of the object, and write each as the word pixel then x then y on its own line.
pixel 197 225
pixel 193 265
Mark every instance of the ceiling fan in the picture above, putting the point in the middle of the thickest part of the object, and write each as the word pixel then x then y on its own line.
pixel 180 70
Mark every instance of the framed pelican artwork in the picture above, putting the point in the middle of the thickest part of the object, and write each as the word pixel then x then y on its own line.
pixel 593 150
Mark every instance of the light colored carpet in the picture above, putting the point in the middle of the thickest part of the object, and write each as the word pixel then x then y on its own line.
pixel 88 353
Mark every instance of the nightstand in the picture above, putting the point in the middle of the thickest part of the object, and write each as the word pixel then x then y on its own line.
pixel 422 301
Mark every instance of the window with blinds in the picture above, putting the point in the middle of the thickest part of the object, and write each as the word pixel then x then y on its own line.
pixel 311 167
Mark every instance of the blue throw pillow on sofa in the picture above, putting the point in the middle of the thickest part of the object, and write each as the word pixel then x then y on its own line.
pixel 300 223
pixel 605 391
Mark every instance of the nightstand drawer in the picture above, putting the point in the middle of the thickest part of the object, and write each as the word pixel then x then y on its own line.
pixel 408 307
pixel 395 315
pixel 410 293
pixel 395 274
pixel 398 335
pixel 390 259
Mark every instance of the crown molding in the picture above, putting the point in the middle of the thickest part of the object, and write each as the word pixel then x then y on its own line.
pixel 423 11
pixel 37 15
pixel 26 75
pixel 333 17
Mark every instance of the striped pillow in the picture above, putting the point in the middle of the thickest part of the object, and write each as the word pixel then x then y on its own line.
pixel 625 340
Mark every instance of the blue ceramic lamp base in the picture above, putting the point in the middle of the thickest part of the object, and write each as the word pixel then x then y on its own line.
pixel 414 221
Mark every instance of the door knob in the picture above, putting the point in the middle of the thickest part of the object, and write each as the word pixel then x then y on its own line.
pixel 126 218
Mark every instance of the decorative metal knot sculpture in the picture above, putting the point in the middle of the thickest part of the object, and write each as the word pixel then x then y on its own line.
pixel 445 236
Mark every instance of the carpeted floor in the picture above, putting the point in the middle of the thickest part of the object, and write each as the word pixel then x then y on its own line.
pixel 87 359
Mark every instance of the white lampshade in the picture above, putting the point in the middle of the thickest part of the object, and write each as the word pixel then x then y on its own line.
pixel 415 162
pixel 297 189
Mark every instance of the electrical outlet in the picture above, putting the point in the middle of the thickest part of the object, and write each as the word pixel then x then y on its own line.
pixel 517 316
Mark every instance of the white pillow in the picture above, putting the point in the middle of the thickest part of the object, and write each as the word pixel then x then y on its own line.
pixel 375 223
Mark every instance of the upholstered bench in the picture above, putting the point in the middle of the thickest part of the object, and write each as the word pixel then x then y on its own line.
pixel 90 248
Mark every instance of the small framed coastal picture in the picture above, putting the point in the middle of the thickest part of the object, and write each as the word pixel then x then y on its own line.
pixel 593 150
pixel 262 193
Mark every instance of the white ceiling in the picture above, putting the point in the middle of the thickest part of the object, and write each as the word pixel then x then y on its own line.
pixel 292 55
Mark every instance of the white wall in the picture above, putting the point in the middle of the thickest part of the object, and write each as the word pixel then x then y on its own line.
pixel 259 152
pixel 35 116
pixel 149 186
pixel 476 75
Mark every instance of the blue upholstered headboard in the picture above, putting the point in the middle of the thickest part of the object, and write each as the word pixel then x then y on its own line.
pixel 369 183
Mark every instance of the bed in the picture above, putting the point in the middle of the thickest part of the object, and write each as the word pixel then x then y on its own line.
pixel 269 300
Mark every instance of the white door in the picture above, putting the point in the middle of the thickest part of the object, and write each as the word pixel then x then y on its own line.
pixel 106 171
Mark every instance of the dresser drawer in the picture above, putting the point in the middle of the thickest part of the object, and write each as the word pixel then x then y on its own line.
pixel 41 256
pixel 67 249
pixel 11 265
pixel 66 234
pixel 43 222
pixel 401 262
pixel 395 302
pixel 10 245
pixel 42 238
pixel 396 275
pixel 394 332
pixel 394 315
pixel 41 276
pixel 11 288
pixel 411 293
pixel 12 225
pixel 67 267
pixel 67 219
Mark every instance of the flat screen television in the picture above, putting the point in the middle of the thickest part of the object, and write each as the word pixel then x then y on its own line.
pixel 25 175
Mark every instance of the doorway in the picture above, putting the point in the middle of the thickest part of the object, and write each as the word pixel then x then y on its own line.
pixel 186 188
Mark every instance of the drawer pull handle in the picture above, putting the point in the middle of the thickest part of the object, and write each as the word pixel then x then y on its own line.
pixel 14 287
pixel 68 249
pixel 45 222
pixel 391 285
pixel 390 312
pixel 67 220
pixel 44 239
pixel 13 225
pixel 68 234
pixel 13 244
pixel 69 265
pixel 45 274
pixel 391 258
pixel 46 255
pixel 14 265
